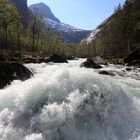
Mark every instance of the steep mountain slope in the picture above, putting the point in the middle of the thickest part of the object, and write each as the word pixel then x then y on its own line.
pixel 21 5
pixel 98 31
pixel 23 9
pixel 69 34
pixel 119 35
pixel 43 10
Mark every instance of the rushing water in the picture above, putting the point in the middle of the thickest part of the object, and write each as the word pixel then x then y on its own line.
pixel 66 102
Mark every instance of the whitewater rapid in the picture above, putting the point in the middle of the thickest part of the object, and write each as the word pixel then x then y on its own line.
pixel 66 102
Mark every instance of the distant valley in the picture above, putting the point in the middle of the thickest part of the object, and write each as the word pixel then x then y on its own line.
pixel 69 34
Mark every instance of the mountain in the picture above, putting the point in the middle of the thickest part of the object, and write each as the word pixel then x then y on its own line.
pixel 21 5
pixel 43 10
pixel 69 34
pixel 118 35
pixel 23 9
pixel 98 31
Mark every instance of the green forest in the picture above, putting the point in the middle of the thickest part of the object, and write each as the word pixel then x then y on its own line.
pixel 121 34
pixel 119 37
pixel 34 37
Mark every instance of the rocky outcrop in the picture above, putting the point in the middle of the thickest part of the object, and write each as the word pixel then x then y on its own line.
pixel 100 61
pixel 70 57
pixel 96 33
pixel 103 72
pixel 43 11
pixel 56 59
pixel 89 63
pixel 23 9
pixel 38 59
pixel 21 5
pixel 10 71
pixel 133 58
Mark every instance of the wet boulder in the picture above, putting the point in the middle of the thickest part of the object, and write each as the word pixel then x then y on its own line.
pixel 133 58
pixel 100 61
pixel 89 63
pixel 103 72
pixel 128 69
pixel 10 71
pixel 56 59
pixel 70 57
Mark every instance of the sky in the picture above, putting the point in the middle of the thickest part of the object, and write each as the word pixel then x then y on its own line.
pixel 83 14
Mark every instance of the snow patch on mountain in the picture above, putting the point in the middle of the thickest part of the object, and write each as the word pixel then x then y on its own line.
pixel 92 36
pixel 97 32
pixel 60 26
pixel 69 34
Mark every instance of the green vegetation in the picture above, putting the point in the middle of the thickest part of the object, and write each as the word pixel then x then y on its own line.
pixel 121 34
pixel 36 38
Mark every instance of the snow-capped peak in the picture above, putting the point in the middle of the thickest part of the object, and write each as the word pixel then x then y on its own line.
pixel 69 34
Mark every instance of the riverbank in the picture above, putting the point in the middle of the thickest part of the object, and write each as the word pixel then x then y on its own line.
pixel 11 64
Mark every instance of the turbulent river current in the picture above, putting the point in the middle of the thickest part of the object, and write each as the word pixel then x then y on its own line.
pixel 66 102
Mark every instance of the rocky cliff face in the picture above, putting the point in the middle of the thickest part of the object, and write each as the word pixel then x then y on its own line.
pixel 23 9
pixel 21 5
pixel 43 10
pixel 97 32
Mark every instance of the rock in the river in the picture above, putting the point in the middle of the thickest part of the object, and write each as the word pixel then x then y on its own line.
pixel 10 71
pixel 100 61
pixel 106 73
pixel 56 59
pixel 89 63
pixel 133 58
pixel 70 57
pixel 128 69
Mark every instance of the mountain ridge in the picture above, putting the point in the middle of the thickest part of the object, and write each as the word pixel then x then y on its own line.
pixel 43 10
pixel 98 30
pixel 70 34
pixel 22 7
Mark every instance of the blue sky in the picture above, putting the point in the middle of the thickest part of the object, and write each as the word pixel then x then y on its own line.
pixel 84 14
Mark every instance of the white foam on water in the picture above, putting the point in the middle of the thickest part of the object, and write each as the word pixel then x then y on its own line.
pixel 66 102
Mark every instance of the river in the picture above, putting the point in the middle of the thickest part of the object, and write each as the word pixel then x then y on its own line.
pixel 66 102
